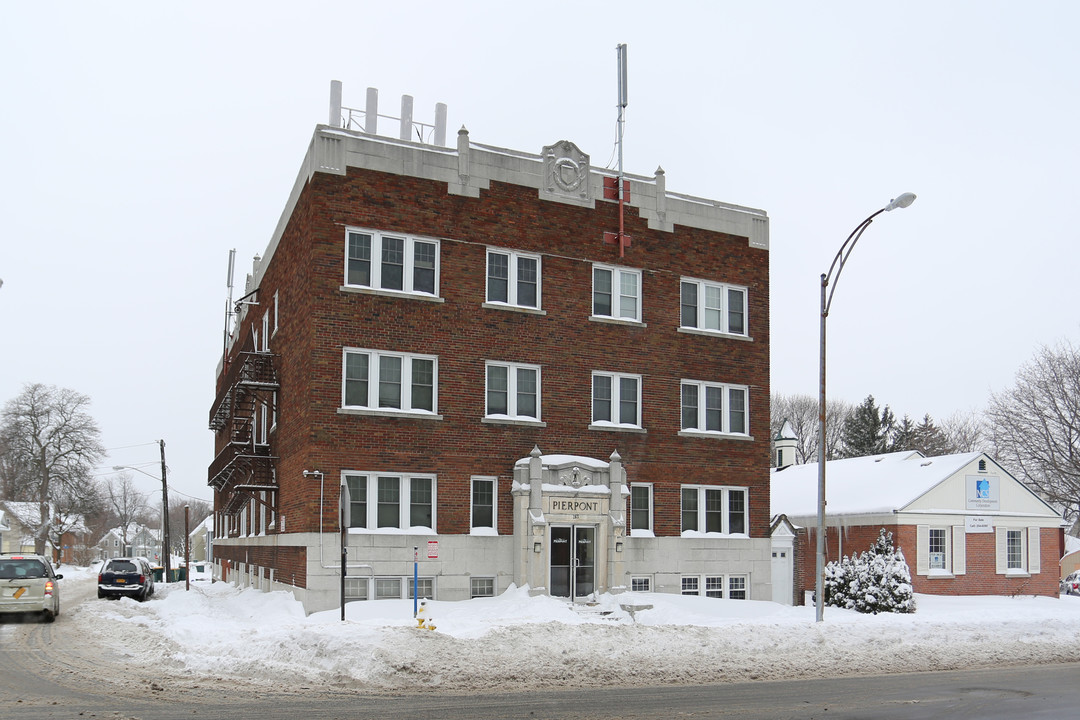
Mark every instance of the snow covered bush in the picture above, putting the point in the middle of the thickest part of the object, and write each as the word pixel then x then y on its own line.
pixel 876 581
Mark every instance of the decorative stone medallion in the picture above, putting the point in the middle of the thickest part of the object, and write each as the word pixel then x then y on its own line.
pixel 566 171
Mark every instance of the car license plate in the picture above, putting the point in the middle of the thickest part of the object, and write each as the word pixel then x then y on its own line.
pixel 121 580
pixel 19 593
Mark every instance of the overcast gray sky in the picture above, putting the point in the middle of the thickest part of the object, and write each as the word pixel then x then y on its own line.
pixel 141 141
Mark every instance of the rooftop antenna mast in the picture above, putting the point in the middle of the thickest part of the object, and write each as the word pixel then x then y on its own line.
pixel 621 189
pixel 228 309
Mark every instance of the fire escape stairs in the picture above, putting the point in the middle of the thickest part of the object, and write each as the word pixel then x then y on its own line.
pixel 245 467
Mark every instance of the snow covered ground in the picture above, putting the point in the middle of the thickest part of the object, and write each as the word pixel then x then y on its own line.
pixel 215 631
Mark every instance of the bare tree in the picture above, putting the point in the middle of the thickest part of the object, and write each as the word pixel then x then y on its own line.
pixel 198 511
pixel 966 432
pixel 802 412
pixel 126 504
pixel 52 442
pixel 70 512
pixel 1035 425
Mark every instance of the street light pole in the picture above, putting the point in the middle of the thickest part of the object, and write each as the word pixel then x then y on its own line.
pixel 902 201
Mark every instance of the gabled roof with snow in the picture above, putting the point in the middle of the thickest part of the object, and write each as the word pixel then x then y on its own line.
pixel 134 530
pixel 27 513
pixel 872 484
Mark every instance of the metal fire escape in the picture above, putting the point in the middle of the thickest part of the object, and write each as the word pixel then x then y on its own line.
pixel 244 469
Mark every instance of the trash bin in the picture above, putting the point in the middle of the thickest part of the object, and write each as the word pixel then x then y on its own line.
pixel 179 574
pixel 159 574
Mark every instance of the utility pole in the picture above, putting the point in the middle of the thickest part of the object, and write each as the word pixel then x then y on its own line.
pixel 166 545
pixel 187 547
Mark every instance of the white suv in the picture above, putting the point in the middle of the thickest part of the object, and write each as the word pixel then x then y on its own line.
pixel 29 585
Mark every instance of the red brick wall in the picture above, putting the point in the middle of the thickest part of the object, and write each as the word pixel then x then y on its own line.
pixel 317 320
pixel 288 562
pixel 980 578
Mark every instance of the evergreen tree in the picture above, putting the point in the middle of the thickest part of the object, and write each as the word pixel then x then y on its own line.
pixel 879 580
pixel 867 429
pixel 903 435
pixel 930 440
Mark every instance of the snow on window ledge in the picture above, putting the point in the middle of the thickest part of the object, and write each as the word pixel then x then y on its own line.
pixel 715 435
pixel 616 427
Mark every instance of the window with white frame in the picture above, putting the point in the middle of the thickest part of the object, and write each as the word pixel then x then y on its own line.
pixel 385 381
pixel 713 306
pixel 732 587
pixel 641 584
pixel 277 316
pixel 356 588
pixel 736 587
pixel 938 548
pixel 709 509
pixel 264 422
pixel 481 587
pixel 385 502
pixel 616 399
pixel 425 588
pixel 641 508
pixel 266 332
pixel 384 261
pixel 714 586
pixel 513 391
pixel 387 588
pixel 513 278
pixel 714 408
pixel 1014 550
pixel 616 293
pixel 483 503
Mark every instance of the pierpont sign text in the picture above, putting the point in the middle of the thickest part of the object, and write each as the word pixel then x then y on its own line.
pixel 566 505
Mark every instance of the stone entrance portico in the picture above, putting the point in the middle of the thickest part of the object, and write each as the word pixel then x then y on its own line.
pixel 569 524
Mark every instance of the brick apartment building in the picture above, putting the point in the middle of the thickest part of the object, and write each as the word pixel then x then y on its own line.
pixel 445 332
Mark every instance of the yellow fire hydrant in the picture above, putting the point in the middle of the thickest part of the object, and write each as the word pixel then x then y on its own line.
pixel 423 621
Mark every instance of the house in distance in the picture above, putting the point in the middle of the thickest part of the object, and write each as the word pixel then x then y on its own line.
pixel 504 378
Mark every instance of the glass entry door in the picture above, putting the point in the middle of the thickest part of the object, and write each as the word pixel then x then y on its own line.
pixel 573 560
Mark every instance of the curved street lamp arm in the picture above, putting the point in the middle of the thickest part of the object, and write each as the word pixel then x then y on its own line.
pixel 842 257
pixel 129 467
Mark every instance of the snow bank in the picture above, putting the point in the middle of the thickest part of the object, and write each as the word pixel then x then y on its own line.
pixel 517 641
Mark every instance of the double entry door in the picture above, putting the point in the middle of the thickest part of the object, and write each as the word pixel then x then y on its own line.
pixel 573 560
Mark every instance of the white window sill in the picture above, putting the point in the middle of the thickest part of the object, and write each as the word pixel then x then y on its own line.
pixel 617 321
pixel 939 575
pixel 642 534
pixel 513 308
pixel 613 427
pixel 419 530
pixel 508 420
pixel 390 293
pixel 716 535
pixel 715 435
pixel 484 532
pixel 418 415
pixel 714 333
pixel 1017 573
